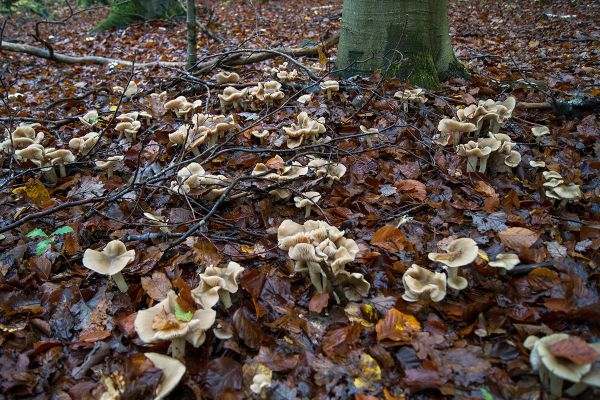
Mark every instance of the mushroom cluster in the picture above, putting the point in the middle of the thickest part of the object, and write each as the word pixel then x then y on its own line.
pixel 169 320
pixel 561 359
pixel 327 170
pixel 496 145
pixel 276 170
pixel 557 190
pixel 82 145
pixel 459 253
pixel 329 87
pixel 282 73
pixel 422 284
pixel 217 283
pixel 306 201
pixel 182 107
pixel 204 128
pixel 47 158
pixel 232 97
pixel 369 133
pixel 132 88
pixel 129 125
pixel 267 92
pixel 487 115
pixel 408 96
pixel 23 136
pixel 306 129
pixel 193 176
pixel 323 252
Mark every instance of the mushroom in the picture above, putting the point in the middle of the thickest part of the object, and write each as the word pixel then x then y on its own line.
pixel 61 157
pixel 564 193
pixel 261 135
pixel 232 96
pixel 167 320
pixel 15 96
pixel 90 118
pixel 505 260
pixel 306 98
pixel 162 221
pixel 306 201
pixel 130 129
pixel 194 176
pixel 217 283
pixel 415 96
pixel 280 171
pixel 555 368
pixel 537 164
pixel 421 283
pixel 23 136
pixel 307 128
pixel 512 159
pixel 460 252
pixel 371 132
pixel 539 131
pixel 452 128
pixel 227 77
pixel 108 164
pixel 475 154
pixel 326 169
pixel 128 117
pixel 110 261
pixel 132 88
pixel 495 113
pixel 83 145
pixel 330 86
pixel 177 105
pixel 172 372
pixel 261 379
pixel 268 92
pixel 354 285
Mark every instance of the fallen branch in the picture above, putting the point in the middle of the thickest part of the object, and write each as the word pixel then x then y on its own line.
pixel 231 58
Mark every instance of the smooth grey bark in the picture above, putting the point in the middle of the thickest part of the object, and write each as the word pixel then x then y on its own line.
pixel 407 39
pixel 191 34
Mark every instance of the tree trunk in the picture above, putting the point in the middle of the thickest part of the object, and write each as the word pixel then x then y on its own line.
pixel 407 39
pixel 124 12
pixel 191 33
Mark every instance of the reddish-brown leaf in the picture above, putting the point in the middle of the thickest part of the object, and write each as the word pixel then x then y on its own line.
pixel 249 331
pixel 93 335
pixel 389 238
pixel 414 189
pixel 396 326
pixel 318 302
pixel 223 375
pixel 517 237
pixel 575 350
pixel 338 342
pixel 158 286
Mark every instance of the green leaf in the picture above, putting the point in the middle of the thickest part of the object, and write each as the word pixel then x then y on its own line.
pixel 486 394
pixel 42 246
pixel 36 232
pixel 63 230
pixel 2 237
pixel 182 315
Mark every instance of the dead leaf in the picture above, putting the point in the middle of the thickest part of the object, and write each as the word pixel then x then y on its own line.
pixel 158 286
pixel 517 237
pixel 574 349
pixel 318 302
pixel 35 191
pixel 396 326
pixel 389 238
pixel 88 188
pixel 415 189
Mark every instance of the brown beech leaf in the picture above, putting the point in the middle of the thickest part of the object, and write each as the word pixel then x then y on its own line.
pixel 158 286
pixel 275 360
pixel 223 375
pixel 318 302
pixel 414 189
pixel 338 341
pixel 575 350
pixel 518 237
pixel 249 331
pixel 93 335
pixel 396 326
pixel 389 238
pixel 205 253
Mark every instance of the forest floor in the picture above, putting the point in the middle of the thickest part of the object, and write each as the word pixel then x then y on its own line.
pixel 68 332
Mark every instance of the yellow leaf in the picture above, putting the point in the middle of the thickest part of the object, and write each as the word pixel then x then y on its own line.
pixel 533 43
pixel 247 249
pixel 396 326
pixel 322 57
pixel 35 191
pixel 370 372
pixel 113 108
pixel 484 256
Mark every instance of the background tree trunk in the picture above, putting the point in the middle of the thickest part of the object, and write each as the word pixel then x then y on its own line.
pixel 124 12
pixel 191 33
pixel 407 38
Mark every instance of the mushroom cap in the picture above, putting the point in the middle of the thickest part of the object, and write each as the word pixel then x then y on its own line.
pixel 160 323
pixel 260 382
pixel 85 143
pixel 261 134
pixel 231 94
pixel 537 164
pixel 512 159
pixel 286 173
pixel 60 156
pixel 327 169
pixel 420 282
pixel 227 77
pixel 539 131
pixel 411 95
pixel 460 252
pixel 505 260
pixel 354 285
pixel 334 86
pixel 34 152
pixel 369 131
pixel 111 260
pixel 447 125
pixel 551 174
pixel 305 98
pixel 215 279
pixel 307 199
pixel 558 366
pixel 305 128
pixel 565 192
pixel 128 117
pixel 472 149
pixel 172 369
pixel 176 103
pixel 491 142
pixel 90 118
pixel 109 162
pixel 457 282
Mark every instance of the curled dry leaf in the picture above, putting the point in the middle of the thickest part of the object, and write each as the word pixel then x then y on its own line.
pixel 517 237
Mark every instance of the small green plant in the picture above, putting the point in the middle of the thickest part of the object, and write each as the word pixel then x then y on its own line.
pixel 42 246
pixel 486 394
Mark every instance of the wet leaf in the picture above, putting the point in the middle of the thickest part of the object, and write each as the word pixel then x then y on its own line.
pixel 35 191
pixel 223 375
pixel 574 349
pixel 396 326
pixel 318 302
pixel 156 287
pixel 389 238
pixel 517 238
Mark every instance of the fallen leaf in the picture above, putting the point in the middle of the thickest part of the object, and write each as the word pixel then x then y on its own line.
pixel 35 191
pixel 517 237
pixel 574 349
pixel 415 189
pixel 158 286
pixel 389 238
pixel 318 302
pixel 396 326
pixel 223 375
pixel 370 373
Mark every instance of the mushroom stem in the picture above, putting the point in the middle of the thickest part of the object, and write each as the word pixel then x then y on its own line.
pixel 63 170
pixel 405 106
pixel 177 347
pixel 195 151
pixel 482 164
pixel 455 139
pixel 369 142
pixel 307 210
pixel 50 175
pixel 120 281
pixel 225 298
pixel 471 163
pixel 330 183
pixel 328 94
pixel 563 203
pixel 109 172
pixel 340 296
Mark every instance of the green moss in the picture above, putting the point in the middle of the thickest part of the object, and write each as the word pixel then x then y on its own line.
pixel 419 69
pixel 455 70
pixel 125 12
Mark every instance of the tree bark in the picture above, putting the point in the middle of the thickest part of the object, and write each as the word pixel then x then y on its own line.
pixel 407 39
pixel 191 34
pixel 125 12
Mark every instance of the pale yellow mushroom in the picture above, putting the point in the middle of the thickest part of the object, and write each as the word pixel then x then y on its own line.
pixel 110 261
